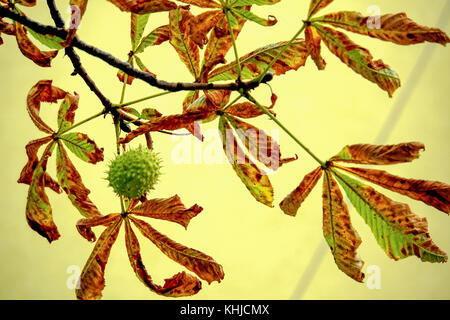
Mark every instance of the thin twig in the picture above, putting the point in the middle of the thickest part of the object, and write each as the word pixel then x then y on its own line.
pixel 124 66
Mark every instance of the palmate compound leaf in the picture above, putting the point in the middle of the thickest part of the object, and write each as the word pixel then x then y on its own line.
pixel 359 59
pixel 433 193
pixel 144 6
pixel 38 210
pixel 92 280
pixel 171 209
pixel 398 231
pixel 70 181
pixel 342 239
pixel 201 264
pixel 254 179
pixel 255 62
pixel 396 28
pixel 180 285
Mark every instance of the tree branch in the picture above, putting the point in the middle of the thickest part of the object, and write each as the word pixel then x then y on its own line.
pixel 126 67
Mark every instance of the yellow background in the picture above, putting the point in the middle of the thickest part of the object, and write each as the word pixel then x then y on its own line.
pixel 264 253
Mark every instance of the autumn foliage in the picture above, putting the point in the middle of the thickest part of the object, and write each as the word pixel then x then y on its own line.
pixel 201 42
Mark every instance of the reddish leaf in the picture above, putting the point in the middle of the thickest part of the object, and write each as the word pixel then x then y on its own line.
pixel 433 193
pixel 338 231
pixel 180 285
pixel 144 6
pixel 201 264
pixel 173 122
pixel 399 231
pixel 313 40
pixel 396 28
pixel 202 25
pixel 379 154
pixel 246 110
pixel 219 43
pixel 193 128
pixel 260 145
pixel 29 50
pixel 43 91
pixel 359 59
pixel 257 182
pixel 71 183
pixel 203 3
pixel 92 280
pixel 293 201
pixel 171 209
pixel 317 5
pixel 26 175
pixel 180 22
pixel 38 210
pixel 84 225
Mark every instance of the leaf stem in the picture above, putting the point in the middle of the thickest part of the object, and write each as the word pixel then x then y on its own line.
pixel 233 40
pixel 129 103
pixel 231 103
pixel 282 51
pixel 271 116
pixel 59 133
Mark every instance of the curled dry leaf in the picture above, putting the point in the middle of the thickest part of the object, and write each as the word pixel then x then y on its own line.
pixel 71 183
pixel 292 202
pixel 342 239
pixel 171 209
pixel 379 154
pixel 38 210
pixel 180 285
pixel 92 279
pixel 84 225
pixel 29 50
pixel 201 264
pixel 26 175
pixel 43 91
pixel 313 40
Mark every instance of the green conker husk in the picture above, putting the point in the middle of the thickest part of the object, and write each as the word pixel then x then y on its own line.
pixel 134 173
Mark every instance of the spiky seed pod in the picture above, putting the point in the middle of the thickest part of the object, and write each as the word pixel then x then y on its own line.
pixel 133 173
